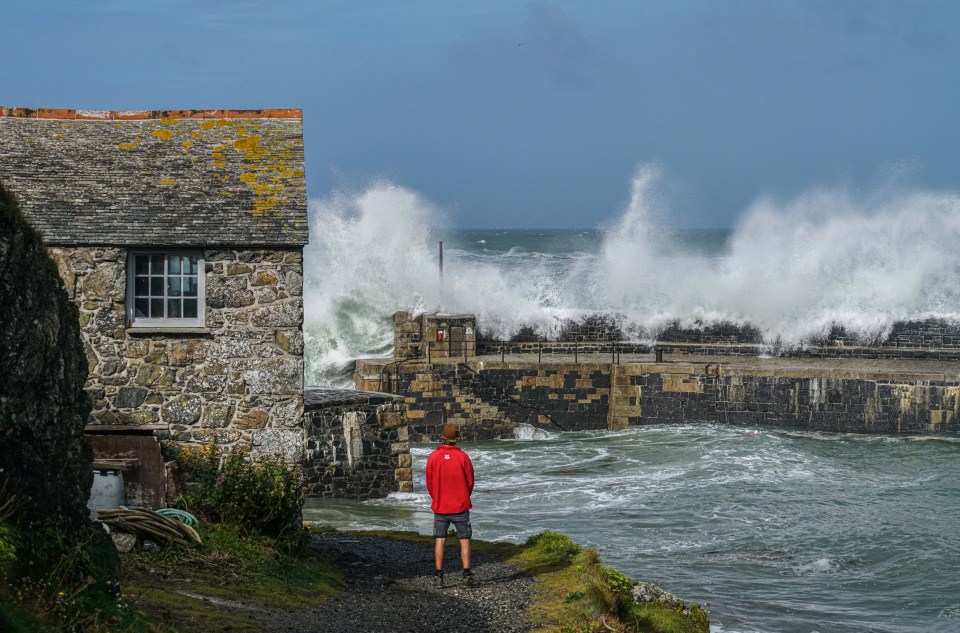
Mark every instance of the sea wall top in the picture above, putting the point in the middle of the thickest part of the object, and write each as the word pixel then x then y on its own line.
pixel 164 178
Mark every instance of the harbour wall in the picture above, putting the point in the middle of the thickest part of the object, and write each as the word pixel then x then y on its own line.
pixel 490 398
pixel 356 444
pixel 929 334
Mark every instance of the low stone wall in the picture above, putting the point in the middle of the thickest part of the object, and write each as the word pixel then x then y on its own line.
pixel 930 338
pixel 823 351
pixel 490 398
pixel 547 348
pixel 357 444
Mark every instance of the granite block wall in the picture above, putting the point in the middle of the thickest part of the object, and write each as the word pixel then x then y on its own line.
pixel 357 445
pixel 851 401
pixel 240 378
pixel 490 400
pixel 551 348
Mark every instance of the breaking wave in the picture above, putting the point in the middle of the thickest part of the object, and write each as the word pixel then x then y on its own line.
pixel 792 269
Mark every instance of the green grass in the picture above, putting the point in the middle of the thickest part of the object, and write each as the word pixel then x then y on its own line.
pixel 229 566
pixel 177 612
pixel 48 585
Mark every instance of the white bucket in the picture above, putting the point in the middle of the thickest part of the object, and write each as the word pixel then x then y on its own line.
pixel 107 490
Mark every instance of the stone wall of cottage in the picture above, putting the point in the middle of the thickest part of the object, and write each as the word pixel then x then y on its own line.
pixel 241 380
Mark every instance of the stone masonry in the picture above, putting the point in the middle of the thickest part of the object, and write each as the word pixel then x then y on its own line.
pixel 194 356
pixel 240 380
pixel 906 382
pixel 358 444
pixel 490 398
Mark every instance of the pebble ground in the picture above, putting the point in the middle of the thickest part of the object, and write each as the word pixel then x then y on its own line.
pixel 389 589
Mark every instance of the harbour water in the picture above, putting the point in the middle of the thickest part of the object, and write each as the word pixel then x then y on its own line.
pixel 778 531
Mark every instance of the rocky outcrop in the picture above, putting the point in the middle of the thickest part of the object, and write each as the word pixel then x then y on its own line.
pixel 43 367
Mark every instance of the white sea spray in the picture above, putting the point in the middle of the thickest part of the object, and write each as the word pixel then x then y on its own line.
pixel 791 268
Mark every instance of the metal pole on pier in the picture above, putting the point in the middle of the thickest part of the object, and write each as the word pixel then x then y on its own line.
pixel 441 260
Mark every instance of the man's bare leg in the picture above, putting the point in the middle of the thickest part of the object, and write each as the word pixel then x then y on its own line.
pixel 438 553
pixel 465 552
pixel 438 562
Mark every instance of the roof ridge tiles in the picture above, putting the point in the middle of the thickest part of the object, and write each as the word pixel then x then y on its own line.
pixel 133 115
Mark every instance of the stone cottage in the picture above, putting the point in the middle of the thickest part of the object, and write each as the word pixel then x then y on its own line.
pixel 179 236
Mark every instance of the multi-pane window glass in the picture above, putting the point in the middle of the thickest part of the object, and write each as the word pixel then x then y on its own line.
pixel 165 286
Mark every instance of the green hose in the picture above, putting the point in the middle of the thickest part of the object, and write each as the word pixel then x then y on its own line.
pixel 181 515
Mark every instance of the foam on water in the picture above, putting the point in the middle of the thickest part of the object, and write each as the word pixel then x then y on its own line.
pixel 819 566
pixel 791 268
pixel 530 432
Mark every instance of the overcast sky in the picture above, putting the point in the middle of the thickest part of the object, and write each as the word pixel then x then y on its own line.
pixel 533 114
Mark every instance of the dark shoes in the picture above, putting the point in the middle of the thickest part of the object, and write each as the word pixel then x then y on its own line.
pixel 468 580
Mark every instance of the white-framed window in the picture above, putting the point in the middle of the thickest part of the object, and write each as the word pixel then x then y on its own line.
pixel 165 289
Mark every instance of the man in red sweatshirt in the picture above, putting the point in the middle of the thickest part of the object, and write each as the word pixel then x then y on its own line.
pixel 450 483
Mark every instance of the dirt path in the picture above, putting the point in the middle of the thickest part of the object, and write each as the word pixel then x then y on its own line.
pixel 390 590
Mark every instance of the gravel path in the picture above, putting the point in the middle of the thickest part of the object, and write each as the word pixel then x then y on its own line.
pixel 389 589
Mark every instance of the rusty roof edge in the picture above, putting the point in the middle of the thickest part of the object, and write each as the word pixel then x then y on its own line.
pixel 136 115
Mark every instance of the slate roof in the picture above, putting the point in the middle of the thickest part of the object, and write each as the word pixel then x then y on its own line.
pixel 158 178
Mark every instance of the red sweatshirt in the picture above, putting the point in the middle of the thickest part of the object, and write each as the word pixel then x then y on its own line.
pixel 449 480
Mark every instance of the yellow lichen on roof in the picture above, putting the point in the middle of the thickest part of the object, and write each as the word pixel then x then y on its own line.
pixel 163 135
pixel 262 205
pixel 166 182
pixel 169 121
pixel 187 144
pixel 207 125
pixel 129 146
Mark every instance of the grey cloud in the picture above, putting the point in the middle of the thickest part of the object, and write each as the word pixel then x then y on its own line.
pixel 556 44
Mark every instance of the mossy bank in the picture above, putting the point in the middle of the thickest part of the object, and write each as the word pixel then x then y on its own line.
pixel 381 580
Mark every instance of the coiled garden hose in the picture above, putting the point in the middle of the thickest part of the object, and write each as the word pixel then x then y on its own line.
pixel 181 515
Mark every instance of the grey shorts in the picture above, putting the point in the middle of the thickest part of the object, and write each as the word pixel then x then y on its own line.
pixel 441 524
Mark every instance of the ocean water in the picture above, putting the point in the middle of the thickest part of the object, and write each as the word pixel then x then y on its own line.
pixel 777 531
